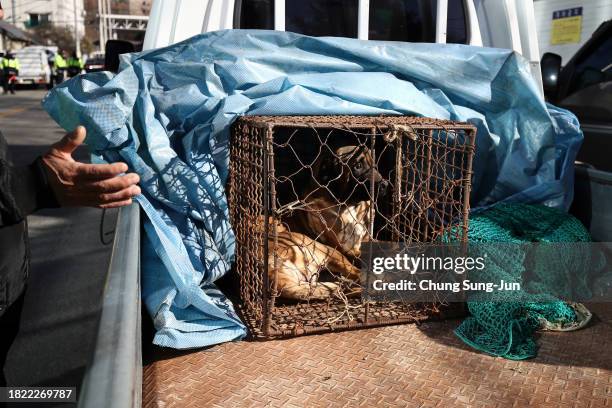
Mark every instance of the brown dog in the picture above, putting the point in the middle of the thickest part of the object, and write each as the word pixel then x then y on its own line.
pixel 336 209
pixel 300 260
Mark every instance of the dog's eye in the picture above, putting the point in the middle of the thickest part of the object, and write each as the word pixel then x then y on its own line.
pixel 358 166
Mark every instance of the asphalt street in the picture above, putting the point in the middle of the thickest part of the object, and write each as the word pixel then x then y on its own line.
pixel 69 264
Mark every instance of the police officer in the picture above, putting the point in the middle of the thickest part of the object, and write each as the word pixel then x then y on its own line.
pixel 1 59
pixel 10 69
pixel 59 67
pixel 75 65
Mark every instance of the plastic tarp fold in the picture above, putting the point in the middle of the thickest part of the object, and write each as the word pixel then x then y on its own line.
pixel 167 113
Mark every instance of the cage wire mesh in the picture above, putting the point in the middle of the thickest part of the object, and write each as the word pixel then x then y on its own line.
pixel 306 193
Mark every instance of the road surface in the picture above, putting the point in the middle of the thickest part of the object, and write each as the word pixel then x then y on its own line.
pixel 69 264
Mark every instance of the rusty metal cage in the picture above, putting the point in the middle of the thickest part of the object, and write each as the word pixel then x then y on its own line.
pixel 307 191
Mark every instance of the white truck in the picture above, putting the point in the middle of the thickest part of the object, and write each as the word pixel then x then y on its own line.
pixel 34 65
pixel 115 373
pixel 506 24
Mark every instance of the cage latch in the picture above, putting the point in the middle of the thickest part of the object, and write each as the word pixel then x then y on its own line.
pixel 396 130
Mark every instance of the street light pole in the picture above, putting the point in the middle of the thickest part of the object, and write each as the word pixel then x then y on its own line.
pixel 76 30
pixel 104 8
pixel 101 26
pixel 13 12
pixel 109 28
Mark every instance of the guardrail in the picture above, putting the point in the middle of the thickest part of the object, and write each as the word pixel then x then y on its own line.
pixel 114 376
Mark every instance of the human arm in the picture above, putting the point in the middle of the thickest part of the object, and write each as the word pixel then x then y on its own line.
pixel 56 179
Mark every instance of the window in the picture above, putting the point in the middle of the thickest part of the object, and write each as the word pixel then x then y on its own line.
pixel 415 21
pixel 257 14
pixel 456 24
pixel 594 67
pixel 337 18
pixel 311 17
pixel 390 20
pixel 37 19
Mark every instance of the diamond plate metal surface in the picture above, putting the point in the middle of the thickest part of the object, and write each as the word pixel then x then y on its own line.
pixel 395 366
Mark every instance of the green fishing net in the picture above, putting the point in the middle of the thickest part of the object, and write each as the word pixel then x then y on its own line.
pixel 504 324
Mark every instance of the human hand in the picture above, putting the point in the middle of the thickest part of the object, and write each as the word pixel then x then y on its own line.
pixel 92 185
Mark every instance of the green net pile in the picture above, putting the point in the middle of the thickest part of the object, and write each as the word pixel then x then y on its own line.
pixel 504 325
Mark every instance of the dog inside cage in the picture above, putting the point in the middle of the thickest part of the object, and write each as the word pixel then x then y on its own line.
pixel 307 193
pixel 327 185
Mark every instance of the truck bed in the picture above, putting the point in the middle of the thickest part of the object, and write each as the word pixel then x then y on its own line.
pixel 400 366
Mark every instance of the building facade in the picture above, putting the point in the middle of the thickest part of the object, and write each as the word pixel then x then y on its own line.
pixel 113 7
pixel 27 14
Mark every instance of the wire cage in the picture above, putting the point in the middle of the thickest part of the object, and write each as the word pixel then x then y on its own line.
pixel 307 192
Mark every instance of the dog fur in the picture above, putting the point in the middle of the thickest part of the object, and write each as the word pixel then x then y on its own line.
pixel 300 260
pixel 336 209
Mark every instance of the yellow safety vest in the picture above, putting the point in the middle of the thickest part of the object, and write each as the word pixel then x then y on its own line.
pixel 10 63
pixel 75 63
pixel 59 62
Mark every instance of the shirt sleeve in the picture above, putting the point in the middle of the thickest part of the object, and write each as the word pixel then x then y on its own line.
pixel 23 189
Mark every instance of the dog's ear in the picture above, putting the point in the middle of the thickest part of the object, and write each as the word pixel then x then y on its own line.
pixel 343 177
pixel 360 150
pixel 327 167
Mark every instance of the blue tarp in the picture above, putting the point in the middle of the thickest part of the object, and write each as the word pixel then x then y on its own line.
pixel 167 114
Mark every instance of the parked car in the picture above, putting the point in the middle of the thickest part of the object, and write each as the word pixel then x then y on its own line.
pixel 35 70
pixel 584 86
pixel 95 63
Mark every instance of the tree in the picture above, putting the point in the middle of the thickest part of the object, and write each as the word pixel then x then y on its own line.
pixel 50 34
pixel 87 46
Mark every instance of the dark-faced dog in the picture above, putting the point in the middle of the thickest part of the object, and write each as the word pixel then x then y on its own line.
pixel 336 209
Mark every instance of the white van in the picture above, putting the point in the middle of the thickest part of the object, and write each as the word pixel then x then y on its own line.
pixel 34 66
pixel 506 24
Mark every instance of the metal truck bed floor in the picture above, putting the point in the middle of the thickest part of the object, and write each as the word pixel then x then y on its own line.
pixel 399 366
